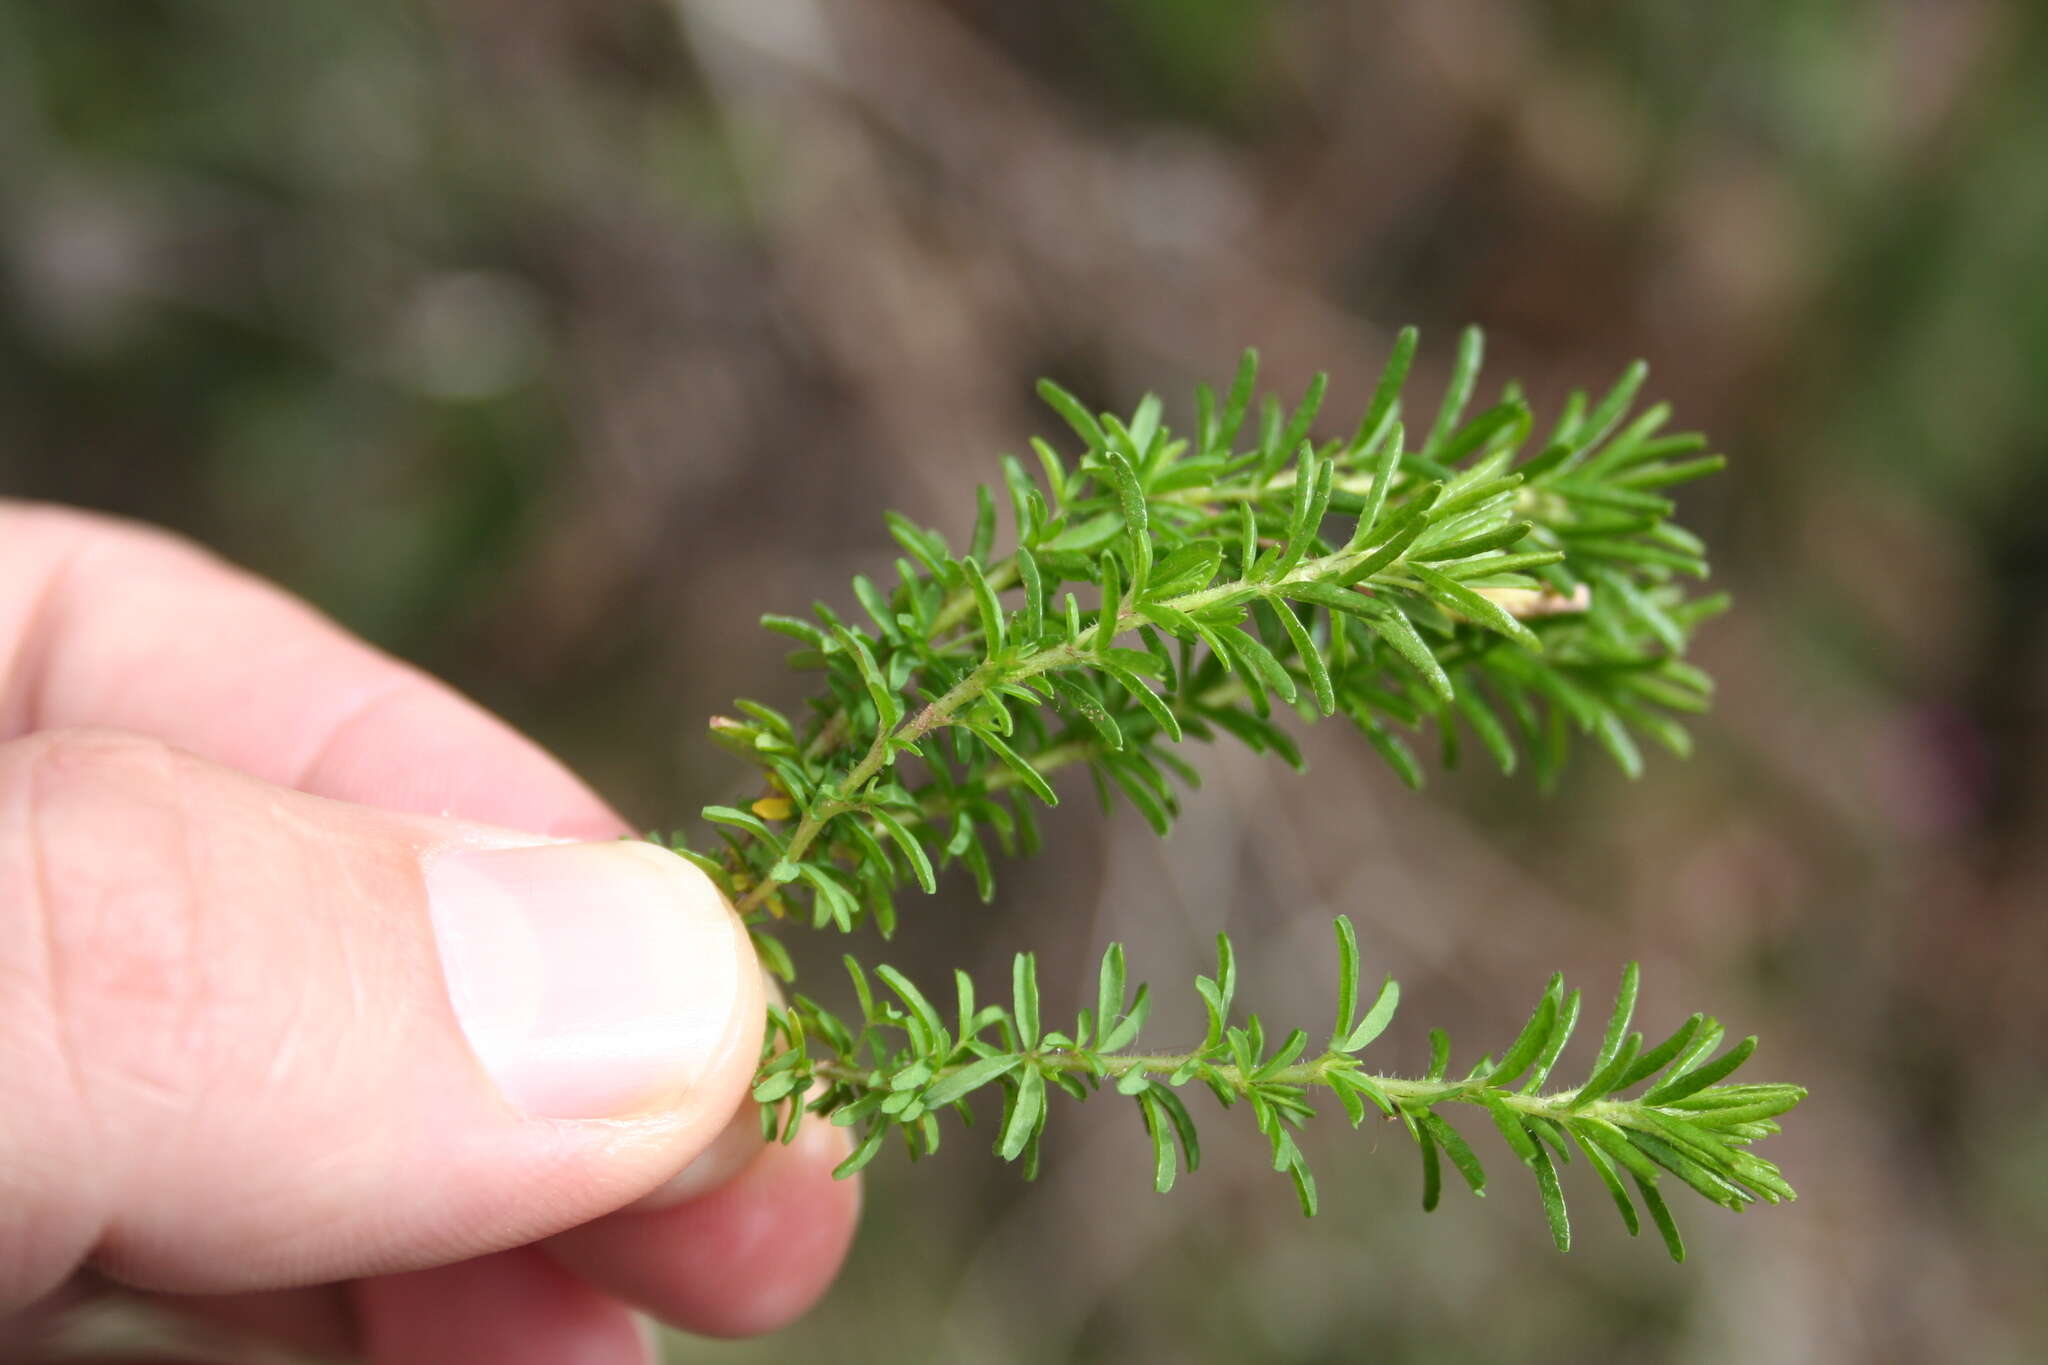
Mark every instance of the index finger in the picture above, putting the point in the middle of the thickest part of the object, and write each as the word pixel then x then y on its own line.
pixel 108 623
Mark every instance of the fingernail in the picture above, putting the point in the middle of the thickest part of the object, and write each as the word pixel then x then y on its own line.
pixel 592 980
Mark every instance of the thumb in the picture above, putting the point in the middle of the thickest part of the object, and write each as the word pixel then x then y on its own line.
pixel 251 1037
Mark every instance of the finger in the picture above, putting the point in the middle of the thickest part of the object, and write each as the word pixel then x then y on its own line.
pixel 255 1038
pixel 108 623
pixel 318 1320
pixel 657 1263
pixel 315 1321
pixel 751 1256
pixel 515 1308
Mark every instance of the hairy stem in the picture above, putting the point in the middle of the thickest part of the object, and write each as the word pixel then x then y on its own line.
pixel 1412 1095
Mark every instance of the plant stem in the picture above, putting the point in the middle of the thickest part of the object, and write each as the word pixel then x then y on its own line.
pixel 1414 1095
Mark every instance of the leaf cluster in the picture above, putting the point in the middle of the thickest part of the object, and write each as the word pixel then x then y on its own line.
pixel 1454 576
pixel 1161 588
pixel 903 1063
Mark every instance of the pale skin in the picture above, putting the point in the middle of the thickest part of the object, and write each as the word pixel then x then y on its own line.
pixel 242 1077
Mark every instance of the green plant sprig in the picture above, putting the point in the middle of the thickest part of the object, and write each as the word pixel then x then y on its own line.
pixel 905 1063
pixel 1161 588
pixel 1443 585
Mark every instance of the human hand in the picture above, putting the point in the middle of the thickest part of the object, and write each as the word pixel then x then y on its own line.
pixel 315 1023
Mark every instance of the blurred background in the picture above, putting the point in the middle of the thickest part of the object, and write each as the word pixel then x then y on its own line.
pixel 547 344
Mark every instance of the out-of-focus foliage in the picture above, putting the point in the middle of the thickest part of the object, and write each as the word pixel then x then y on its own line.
pixel 550 343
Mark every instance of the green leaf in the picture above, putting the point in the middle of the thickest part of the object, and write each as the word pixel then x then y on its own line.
pixel 1084 537
pixel 863 1154
pixel 1172 620
pixel 1560 1034
pixel 1597 1158
pixel 1439 1053
pixel 1375 501
pixel 1335 598
pixel 1024 996
pixel 1126 1030
pixel 1486 725
pixel 1400 531
pixel 1311 660
pixel 1618 1021
pixel 1458 392
pixel 1164 1167
pixel 1666 475
pixel 1304 1187
pixel 1650 1063
pixel 1304 415
pixel 1284 1058
pixel 1186 570
pixel 888 705
pixel 1511 1127
pixel 1089 706
pixel 1311 501
pixel 1183 1126
pixel 1258 659
pixel 872 602
pixel 1612 736
pixel 746 820
pixel 984 537
pixel 776 1087
pixel 1376 1018
pixel 1398 631
pixel 1109 988
pixel 1033 620
pixel 1613 407
pixel 1205 417
pixel 1239 400
pixel 922 1014
pixel 1018 764
pixel 991 611
pixel 1137 533
pixel 1145 430
pixel 1661 1216
pixel 1687 1083
pixel 1458 1150
pixel 1110 614
pixel 1534 1035
pixel 1470 605
pixel 1078 417
pixel 1484 431
pixel 1388 391
pixel 835 904
pixel 1025 1115
pixel 1498 538
pixel 924 546
pixel 1608 1076
pixel 1162 715
pixel 1389 747
pixel 1553 1200
pixel 913 851
pixel 969 1078
pixel 1347 979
